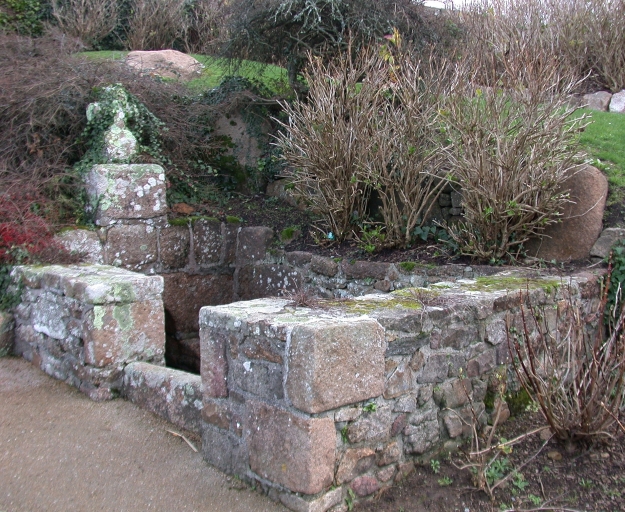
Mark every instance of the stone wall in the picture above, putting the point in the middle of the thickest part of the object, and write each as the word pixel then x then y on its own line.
pixel 171 394
pixel 84 324
pixel 207 262
pixel 311 403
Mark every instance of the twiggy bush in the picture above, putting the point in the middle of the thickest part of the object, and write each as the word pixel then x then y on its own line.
pixel 204 26
pixel 405 151
pixel 587 37
pixel 88 20
pixel 590 37
pixel 487 458
pixel 575 374
pixel 155 24
pixel 511 147
pixel 328 138
pixel 369 124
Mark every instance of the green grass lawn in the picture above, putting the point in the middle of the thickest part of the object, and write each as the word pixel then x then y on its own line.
pixel 604 140
pixel 105 55
pixel 273 77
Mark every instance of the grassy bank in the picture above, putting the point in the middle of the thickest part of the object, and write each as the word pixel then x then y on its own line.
pixel 272 77
pixel 604 140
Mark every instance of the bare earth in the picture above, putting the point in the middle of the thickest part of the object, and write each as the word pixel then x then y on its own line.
pixel 59 451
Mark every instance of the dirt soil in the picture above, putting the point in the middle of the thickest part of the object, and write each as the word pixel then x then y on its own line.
pixel 591 479
pixel 59 451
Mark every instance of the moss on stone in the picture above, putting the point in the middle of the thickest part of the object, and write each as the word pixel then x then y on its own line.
pixel 288 233
pixel 291 319
pixel 180 221
pixel 124 292
pixel 123 316
pixel 418 294
pixel 367 306
pixel 407 266
pixel 518 402
pixel 231 219
pixel 489 401
pixel 185 221
pixel 495 283
pixel 98 317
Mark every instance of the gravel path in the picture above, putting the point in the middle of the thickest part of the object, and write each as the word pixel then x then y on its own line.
pixel 59 451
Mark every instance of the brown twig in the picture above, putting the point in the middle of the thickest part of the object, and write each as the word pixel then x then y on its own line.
pixel 176 434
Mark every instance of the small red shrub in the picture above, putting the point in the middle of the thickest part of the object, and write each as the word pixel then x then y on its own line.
pixel 25 236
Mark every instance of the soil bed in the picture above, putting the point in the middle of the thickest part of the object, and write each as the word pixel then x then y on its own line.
pixel 590 480
pixel 262 210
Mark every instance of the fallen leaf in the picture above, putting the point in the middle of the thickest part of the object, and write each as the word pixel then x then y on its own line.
pixel 183 208
pixel 554 455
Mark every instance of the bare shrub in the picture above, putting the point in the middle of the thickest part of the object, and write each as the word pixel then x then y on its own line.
pixel 405 150
pixel 487 458
pixel 205 26
pixel 590 37
pixel 576 376
pixel 301 296
pixel 587 38
pixel 368 124
pixel 88 20
pixel 155 24
pixel 43 93
pixel 497 31
pixel 328 137
pixel 511 147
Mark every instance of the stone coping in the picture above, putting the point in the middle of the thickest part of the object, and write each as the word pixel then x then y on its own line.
pixel 93 284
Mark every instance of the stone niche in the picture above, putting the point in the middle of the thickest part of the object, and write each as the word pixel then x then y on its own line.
pixel 84 324
pixel 311 404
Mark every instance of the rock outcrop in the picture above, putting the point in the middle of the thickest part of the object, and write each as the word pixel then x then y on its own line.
pixel 165 63
pixel 582 219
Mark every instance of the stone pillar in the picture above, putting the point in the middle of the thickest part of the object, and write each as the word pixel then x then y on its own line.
pixel 83 324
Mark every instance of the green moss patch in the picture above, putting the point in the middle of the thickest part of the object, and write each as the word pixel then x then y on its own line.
pixel 496 283
pixel 185 221
pixel 407 266
pixel 364 307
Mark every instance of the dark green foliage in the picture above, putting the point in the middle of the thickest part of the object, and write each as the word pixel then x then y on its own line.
pixel 284 31
pixel 617 280
pixel 9 295
pixel 22 16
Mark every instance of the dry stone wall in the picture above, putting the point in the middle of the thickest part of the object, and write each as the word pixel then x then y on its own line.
pixel 171 394
pixel 315 403
pixel 207 262
pixel 84 324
